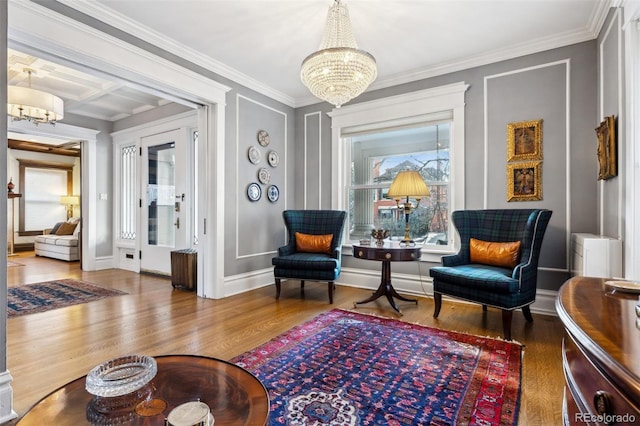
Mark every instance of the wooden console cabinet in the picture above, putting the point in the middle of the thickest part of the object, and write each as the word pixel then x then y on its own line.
pixel 601 353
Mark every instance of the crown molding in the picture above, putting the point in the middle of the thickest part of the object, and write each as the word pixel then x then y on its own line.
pixel 123 23
pixel 596 21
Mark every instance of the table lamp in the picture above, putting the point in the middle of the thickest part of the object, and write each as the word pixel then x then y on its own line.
pixel 70 201
pixel 408 184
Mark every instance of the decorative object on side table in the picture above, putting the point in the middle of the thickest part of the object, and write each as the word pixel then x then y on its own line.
pixel 408 184
pixel 120 384
pixel 191 413
pixel 380 235
pixel 10 186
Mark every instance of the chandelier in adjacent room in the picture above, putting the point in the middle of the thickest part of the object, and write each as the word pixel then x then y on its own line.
pixel 25 103
pixel 338 71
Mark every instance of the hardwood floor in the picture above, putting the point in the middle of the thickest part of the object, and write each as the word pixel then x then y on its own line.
pixel 47 350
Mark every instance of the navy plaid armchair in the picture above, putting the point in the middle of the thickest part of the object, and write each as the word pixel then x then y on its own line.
pixel 501 287
pixel 312 266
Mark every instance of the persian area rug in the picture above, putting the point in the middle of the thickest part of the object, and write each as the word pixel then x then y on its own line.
pixel 346 368
pixel 40 297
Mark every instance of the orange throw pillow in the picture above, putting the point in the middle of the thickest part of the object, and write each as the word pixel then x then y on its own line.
pixel 313 243
pixel 505 255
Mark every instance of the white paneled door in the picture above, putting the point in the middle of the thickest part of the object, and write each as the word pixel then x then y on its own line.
pixel 165 200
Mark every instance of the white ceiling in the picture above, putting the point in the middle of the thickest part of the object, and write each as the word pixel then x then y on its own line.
pixel 261 43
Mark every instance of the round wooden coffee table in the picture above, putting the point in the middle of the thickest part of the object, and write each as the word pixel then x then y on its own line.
pixel 233 395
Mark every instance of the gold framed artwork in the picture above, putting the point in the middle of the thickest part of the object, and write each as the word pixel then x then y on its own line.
pixel 524 140
pixel 607 151
pixel 524 181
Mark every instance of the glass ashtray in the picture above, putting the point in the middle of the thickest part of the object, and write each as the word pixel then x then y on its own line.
pixel 121 376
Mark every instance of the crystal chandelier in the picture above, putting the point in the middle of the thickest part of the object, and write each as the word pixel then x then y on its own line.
pixel 338 71
pixel 25 103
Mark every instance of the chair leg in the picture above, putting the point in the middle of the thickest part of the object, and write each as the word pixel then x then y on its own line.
pixel 332 286
pixel 484 308
pixel 507 315
pixel 302 284
pixel 277 288
pixel 437 298
pixel 526 310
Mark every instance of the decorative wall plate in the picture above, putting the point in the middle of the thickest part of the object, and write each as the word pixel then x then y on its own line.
pixel 254 155
pixel 263 138
pixel 273 193
pixel 264 176
pixel 273 158
pixel 254 192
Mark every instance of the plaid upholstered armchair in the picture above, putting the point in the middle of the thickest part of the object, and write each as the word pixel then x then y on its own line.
pixel 497 264
pixel 314 248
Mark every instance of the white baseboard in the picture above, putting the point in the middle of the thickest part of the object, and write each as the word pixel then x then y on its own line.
pixel 105 262
pixel 6 398
pixel 418 285
pixel 423 286
pixel 236 284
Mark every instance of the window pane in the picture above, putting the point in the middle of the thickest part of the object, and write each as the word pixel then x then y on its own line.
pixel 161 195
pixel 195 188
pixel 376 159
pixel 42 191
pixel 128 184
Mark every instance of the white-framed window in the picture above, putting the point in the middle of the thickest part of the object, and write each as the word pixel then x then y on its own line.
pixel 43 184
pixel 372 141
pixel 376 159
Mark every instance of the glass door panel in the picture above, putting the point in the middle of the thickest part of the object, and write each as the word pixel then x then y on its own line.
pixel 161 195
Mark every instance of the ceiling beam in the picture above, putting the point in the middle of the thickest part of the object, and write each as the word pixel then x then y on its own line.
pixel 43 148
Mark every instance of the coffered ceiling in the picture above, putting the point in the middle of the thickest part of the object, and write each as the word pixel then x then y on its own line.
pixel 84 94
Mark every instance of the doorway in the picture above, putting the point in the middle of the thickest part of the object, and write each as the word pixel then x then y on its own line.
pixel 31 24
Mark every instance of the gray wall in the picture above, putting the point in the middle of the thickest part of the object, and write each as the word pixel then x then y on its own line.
pixel 610 101
pixel 557 86
pixel 104 184
pixel 254 229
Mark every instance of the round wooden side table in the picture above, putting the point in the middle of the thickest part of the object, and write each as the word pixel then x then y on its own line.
pixel 387 254
pixel 234 396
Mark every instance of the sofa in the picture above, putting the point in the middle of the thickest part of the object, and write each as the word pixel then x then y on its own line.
pixel 60 242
